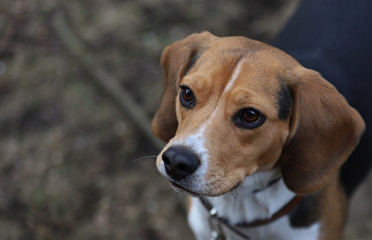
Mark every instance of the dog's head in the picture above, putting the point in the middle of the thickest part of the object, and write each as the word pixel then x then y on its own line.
pixel 234 106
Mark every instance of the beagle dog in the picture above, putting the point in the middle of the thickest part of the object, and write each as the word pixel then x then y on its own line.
pixel 255 139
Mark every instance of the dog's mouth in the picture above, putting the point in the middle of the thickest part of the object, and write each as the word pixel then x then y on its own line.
pixel 179 187
pixel 182 188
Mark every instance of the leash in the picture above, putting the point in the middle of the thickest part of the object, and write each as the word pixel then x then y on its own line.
pixel 216 222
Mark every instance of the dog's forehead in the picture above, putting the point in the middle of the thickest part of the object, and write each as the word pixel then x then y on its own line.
pixel 221 56
pixel 259 68
pixel 251 71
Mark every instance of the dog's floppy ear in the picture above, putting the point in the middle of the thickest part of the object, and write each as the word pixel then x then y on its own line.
pixel 324 130
pixel 176 60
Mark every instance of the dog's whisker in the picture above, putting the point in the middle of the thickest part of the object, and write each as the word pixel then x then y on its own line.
pixel 156 175
pixel 134 161
pixel 255 181
pixel 232 181
pixel 262 186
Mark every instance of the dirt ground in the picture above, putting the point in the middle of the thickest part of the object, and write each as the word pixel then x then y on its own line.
pixel 74 164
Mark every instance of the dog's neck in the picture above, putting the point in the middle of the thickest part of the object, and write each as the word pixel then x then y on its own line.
pixel 258 197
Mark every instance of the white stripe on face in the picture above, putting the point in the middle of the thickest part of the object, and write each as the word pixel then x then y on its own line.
pixel 197 141
pixel 228 87
pixel 234 77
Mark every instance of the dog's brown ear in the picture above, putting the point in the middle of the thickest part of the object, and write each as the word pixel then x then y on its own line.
pixel 324 130
pixel 176 60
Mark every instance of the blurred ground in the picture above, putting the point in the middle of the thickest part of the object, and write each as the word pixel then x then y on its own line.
pixel 70 158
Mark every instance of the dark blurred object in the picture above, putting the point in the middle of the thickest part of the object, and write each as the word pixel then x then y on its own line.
pixel 334 37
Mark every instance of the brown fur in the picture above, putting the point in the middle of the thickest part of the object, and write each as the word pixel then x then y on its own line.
pixel 332 210
pixel 309 146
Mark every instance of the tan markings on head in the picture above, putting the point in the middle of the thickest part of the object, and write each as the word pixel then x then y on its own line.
pixel 223 84
pixel 239 152
pixel 233 74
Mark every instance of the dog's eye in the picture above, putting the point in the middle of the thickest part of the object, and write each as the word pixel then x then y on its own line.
pixel 249 118
pixel 187 97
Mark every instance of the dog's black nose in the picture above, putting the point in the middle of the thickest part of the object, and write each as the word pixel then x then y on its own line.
pixel 180 162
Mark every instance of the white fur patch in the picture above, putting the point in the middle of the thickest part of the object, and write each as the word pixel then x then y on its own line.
pixel 241 205
pixel 198 220
pixel 196 142
pixel 234 76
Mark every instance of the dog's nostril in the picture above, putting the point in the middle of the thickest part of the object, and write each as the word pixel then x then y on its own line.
pixel 183 167
pixel 165 159
pixel 180 162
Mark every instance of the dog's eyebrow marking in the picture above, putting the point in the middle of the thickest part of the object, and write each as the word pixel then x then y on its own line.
pixel 193 56
pixel 284 101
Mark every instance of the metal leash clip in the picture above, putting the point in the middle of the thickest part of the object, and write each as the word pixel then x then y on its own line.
pixel 217 233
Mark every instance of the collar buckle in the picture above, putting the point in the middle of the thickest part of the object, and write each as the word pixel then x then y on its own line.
pixel 215 223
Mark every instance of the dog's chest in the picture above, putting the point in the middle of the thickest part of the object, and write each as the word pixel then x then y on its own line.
pixel 238 207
